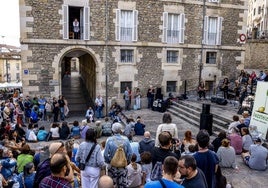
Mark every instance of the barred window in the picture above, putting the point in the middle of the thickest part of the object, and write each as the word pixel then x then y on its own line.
pixel 172 56
pixel 127 56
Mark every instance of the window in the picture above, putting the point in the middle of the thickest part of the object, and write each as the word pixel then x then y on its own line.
pixel 211 57
pixel 127 56
pixel 124 85
pixel 82 15
pixel 126 25
pixel 213 1
pixel 17 76
pixel 173 28
pixel 212 30
pixel 17 66
pixel 259 10
pixel 172 56
pixel 171 86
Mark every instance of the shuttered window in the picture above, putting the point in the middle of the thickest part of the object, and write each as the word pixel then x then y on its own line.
pixel 212 30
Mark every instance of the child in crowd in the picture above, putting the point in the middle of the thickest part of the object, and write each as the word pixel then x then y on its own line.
pixel 55 131
pixel 134 173
pixel 65 132
pixel 30 135
pixel 75 130
pixel 146 164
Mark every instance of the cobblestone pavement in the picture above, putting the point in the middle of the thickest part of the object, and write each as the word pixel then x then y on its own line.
pixel 243 178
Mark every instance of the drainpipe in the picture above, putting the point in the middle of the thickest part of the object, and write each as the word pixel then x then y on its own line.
pixel 106 57
pixel 202 43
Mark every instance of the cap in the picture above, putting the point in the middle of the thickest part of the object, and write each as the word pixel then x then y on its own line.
pixel 54 147
pixel 117 127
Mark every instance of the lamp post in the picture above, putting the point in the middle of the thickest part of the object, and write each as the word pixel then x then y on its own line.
pixel 7 67
pixel 202 42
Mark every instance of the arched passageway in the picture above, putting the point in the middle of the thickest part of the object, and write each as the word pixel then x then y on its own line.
pixel 78 78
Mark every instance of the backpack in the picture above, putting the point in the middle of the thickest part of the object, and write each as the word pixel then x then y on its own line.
pixel 156 173
pixel 119 159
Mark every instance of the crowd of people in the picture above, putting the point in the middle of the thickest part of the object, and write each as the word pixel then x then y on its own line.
pixel 120 160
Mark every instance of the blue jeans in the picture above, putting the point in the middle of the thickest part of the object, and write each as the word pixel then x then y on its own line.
pixel 99 112
pixel 62 113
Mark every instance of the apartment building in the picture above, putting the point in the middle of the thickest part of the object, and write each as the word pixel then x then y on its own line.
pixel 170 44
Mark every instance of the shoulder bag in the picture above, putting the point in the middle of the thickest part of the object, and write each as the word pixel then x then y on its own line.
pixel 82 166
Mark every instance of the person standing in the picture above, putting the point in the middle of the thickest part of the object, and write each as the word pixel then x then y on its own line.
pixel 61 106
pixel 201 90
pixel 138 99
pixel 193 176
pixel 127 99
pixel 150 96
pixel 76 28
pixel 225 87
pixel 119 175
pixel 167 125
pixel 99 107
pixel 206 160
pixel 90 175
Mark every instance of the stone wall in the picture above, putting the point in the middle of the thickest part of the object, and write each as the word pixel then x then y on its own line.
pixel 44 48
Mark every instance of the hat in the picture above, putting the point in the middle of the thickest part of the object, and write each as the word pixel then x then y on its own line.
pixel 54 147
pixel 117 127
pixel 84 122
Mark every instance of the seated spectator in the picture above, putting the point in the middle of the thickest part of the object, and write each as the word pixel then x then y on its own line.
pixel 241 125
pixel 191 150
pixel 30 135
pixel 147 143
pixel 55 131
pixel 106 127
pixel 226 155
pixel 129 129
pixel 3 182
pixel 42 134
pixel 246 117
pixel 235 141
pixel 217 141
pixel 170 168
pixel 83 129
pixel 98 129
pixel 65 132
pixel 75 130
pixel 257 156
pixel 90 115
pixel 24 158
pixel 20 130
pixel 187 141
pixel 139 127
pixel 26 178
pixel 115 109
pixel 246 139
pixel 146 165
pixel 134 173
pixel 34 115
pixel 233 124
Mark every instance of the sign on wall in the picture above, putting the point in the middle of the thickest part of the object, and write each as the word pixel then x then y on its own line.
pixel 259 115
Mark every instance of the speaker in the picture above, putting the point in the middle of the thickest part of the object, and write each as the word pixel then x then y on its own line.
pixel 206 109
pixel 206 122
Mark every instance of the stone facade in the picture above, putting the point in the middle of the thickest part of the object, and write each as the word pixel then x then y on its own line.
pixel 45 48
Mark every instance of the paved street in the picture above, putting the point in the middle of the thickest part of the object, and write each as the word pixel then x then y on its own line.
pixel 244 178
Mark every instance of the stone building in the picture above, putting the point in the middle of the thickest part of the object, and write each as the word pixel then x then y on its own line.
pixel 170 44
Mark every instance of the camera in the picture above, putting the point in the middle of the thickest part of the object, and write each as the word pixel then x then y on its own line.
pixel 174 140
pixel 82 166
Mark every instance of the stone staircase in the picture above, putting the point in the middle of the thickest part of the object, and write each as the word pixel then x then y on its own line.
pixel 75 93
pixel 190 112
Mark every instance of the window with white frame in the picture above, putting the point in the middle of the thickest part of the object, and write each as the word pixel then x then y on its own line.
pixel 212 30
pixel 213 1
pixel 124 85
pixel 17 66
pixel 173 28
pixel 82 14
pixel 211 57
pixel 172 56
pixel 126 25
pixel 126 56
pixel 171 86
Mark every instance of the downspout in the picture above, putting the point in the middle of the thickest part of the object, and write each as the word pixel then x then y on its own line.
pixel 202 43
pixel 106 57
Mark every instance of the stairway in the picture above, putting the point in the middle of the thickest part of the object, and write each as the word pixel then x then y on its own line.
pixel 190 112
pixel 75 93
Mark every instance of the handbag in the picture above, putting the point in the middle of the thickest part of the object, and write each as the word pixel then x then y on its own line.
pixel 82 166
